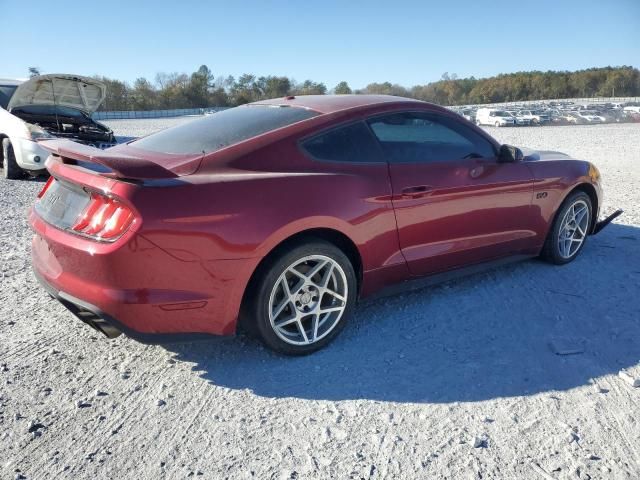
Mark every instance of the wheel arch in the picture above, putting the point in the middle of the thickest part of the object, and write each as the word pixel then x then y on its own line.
pixel 586 188
pixel 333 236
pixel 591 192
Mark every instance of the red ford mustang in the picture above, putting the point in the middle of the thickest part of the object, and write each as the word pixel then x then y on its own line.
pixel 280 214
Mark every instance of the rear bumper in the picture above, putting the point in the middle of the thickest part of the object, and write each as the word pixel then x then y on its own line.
pixel 109 326
pixel 137 288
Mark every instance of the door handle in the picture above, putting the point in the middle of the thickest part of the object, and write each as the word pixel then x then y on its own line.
pixel 416 191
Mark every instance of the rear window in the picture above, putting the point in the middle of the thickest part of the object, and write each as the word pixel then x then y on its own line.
pixel 222 129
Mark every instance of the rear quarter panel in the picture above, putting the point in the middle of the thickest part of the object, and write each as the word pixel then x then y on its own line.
pixel 243 212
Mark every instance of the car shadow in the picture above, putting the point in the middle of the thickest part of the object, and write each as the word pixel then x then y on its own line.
pixel 518 330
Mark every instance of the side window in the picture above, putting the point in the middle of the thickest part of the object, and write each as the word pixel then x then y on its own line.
pixel 423 137
pixel 352 143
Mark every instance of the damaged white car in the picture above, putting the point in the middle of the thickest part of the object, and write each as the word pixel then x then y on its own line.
pixel 47 106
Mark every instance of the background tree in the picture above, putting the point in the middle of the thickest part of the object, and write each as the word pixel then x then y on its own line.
pixel 34 72
pixel 202 89
pixel 143 95
pixel 309 87
pixel 385 88
pixel 342 88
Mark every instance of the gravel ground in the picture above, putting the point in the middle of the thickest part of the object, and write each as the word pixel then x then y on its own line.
pixel 471 379
pixel 128 129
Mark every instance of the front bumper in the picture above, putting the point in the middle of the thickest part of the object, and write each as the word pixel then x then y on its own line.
pixel 29 155
pixel 606 221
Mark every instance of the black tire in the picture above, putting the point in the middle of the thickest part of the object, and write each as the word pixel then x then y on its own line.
pixel 257 319
pixel 551 250
pixel 11 170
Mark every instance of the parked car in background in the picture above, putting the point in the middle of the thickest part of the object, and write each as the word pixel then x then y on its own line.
pixel 535 117
pixel 614 116
pixel 494 117
pixel 469 115
pixel 590 116
pixel 572 118
pixel 47 106
pixel 520 119
pixel 556 117
pixel 279 215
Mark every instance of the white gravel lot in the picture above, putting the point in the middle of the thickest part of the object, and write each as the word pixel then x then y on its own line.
pixel 459 381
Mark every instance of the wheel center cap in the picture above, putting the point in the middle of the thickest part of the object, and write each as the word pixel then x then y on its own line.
pixel 305 299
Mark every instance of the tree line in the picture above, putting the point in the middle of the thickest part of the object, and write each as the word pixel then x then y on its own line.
pixel 203 89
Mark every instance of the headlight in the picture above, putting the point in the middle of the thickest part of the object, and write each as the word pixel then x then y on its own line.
pixel 36 133
pixel 594 173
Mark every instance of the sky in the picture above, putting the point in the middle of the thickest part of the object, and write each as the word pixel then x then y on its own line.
pixel 404 42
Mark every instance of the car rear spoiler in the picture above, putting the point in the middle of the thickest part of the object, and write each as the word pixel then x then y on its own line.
pixel 603 223
pixel 125 161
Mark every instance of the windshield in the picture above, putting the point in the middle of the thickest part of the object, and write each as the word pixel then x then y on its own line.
pixel 6 92
pixel 222 129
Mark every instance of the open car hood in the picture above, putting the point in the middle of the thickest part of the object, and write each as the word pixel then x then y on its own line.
pixel 74 91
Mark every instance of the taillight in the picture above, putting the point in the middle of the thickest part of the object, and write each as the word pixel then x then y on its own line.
pixel 46 186
pixel 104 218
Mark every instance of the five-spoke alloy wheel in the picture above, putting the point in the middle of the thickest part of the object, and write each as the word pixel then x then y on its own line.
pixel 569 230
pixel 304 298
pixel 573 229
pixel 308 300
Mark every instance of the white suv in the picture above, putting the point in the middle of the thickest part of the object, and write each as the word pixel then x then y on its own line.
pixel 495 117
pixel 47 106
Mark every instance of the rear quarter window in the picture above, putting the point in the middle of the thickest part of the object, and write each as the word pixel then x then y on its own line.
pixel 222 129
pixel 350 144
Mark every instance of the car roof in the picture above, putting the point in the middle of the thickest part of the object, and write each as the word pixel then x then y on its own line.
pixel 337 103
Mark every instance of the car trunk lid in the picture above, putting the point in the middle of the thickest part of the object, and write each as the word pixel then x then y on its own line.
pixel 125 161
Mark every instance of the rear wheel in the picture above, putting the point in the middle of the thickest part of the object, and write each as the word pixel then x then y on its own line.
pixel 497 124
pixel 304 298
pixel 11 169
pixel 569 230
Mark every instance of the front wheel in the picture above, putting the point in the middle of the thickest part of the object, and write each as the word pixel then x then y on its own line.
pixel 304 298
pixel 11 169
pixel 569 230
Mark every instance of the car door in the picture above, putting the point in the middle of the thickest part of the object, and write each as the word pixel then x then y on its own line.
pixel 455 202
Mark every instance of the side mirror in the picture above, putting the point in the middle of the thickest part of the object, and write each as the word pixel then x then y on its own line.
pixel 510 154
